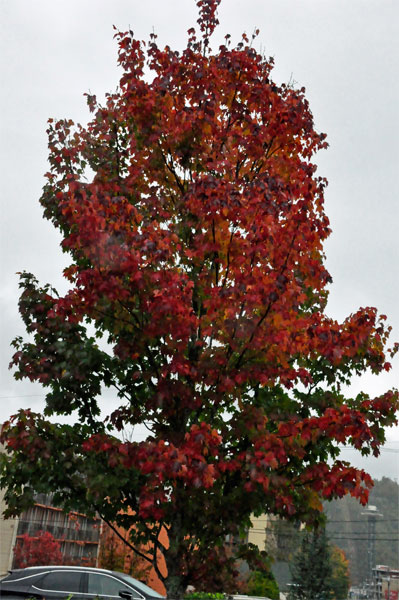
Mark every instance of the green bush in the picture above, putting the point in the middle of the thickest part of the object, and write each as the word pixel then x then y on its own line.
pixel 204 596
pixel 263 584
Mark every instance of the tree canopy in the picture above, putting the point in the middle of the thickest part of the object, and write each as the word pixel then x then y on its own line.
pixel 193 217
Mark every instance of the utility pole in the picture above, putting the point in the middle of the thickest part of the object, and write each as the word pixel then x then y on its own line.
pixel 372 515
pixel 389 583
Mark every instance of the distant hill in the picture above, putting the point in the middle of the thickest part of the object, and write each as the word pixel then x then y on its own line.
pixel 347 528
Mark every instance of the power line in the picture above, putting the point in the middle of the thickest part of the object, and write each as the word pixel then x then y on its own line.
pixel 337 521
pixel 329 534
pixel 25 396
pixel 349 537
pixel 382 449
pixel 360 521
pixel 272 529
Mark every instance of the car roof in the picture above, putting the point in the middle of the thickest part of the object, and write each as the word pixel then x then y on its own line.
pixel 37 570
pixel 40 568
pixel 62 567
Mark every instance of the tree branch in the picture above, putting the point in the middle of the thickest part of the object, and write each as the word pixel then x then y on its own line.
pixel 125 541
pixel 156 547
pixel 228 260
pixel 172 170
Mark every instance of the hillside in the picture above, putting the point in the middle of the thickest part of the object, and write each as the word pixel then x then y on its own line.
pixel 347 528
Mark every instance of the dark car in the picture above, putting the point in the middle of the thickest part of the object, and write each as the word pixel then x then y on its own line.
pixel 79 583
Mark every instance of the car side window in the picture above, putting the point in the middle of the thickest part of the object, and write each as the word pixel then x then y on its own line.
pixel 61 581
pixel 104 585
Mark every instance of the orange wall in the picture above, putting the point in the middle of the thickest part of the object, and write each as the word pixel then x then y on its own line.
pixel 139 568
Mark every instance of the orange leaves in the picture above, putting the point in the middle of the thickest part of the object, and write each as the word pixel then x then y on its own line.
pixel 314 501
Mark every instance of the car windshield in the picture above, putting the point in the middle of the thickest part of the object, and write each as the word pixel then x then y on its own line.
pixel 142 587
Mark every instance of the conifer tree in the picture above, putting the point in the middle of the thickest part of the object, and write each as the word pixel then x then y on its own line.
pixel 311 569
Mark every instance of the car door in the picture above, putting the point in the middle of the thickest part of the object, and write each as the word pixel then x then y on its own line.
pixel 57 585
pixel 103 586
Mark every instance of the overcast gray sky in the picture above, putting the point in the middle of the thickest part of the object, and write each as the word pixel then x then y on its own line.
pixel 345 52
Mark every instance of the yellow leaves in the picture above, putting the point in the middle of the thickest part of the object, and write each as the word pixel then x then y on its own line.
pixel 207 128
pixel 246 131
pixel 314 501
pixel 230 97
pixel 167 102
pixel 277 319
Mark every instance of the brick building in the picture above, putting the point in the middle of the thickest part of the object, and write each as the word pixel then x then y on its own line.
pixel 77 534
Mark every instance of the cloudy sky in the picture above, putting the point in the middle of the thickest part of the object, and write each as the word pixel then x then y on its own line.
pixel 345 54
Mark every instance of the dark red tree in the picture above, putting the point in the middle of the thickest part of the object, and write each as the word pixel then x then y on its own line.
pixel 42 549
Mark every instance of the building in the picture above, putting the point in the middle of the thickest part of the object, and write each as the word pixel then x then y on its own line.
pixel 261 533
pixel 386 583
pixel 8 531
pixel 77 534
pixel 117 556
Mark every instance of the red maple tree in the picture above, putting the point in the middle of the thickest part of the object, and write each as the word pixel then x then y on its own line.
pixel 197 252
pixel 42 549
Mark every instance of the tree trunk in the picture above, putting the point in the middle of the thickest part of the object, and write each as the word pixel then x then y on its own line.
pixel 176 582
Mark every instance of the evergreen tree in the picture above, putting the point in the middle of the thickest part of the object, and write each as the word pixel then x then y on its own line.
pixel 311 568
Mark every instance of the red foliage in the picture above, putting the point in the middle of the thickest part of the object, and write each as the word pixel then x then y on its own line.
pixel 38 550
